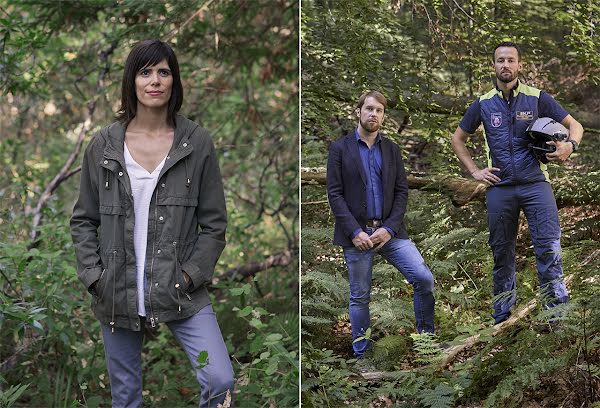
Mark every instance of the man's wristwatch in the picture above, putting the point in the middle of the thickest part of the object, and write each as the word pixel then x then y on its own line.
pixel 575 145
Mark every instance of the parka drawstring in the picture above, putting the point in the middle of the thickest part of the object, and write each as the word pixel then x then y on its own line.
pixel 112 321
pixel 106 184
pixel 187 177
pixel 177 276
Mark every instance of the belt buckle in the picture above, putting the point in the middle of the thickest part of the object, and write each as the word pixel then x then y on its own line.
pixel 374 223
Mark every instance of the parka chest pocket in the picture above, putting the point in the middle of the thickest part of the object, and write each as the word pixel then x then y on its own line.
pixel 112 209
pixel 176 217
pixel 178 201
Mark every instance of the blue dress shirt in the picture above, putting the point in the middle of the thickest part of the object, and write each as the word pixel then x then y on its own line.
pixel 372 164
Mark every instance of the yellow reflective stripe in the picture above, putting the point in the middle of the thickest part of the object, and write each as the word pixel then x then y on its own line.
pixel 487 149
pixel 527 90
pixel 488 95
pixel 544 168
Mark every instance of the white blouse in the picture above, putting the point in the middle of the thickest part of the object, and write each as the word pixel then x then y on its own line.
pixel 143 184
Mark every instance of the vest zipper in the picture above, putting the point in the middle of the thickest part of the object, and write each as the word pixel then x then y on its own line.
pixel 510 138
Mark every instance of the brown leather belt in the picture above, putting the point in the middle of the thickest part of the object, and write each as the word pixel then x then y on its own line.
pixel 374 223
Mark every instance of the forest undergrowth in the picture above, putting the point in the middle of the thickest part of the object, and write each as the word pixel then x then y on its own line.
pixel 530 364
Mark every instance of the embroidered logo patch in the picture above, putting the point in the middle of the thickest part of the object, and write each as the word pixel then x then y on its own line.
pixel 525 115
pixel 496 119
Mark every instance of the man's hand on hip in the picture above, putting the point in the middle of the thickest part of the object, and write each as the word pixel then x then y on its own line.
pixel 562 153
pixel 380 237
pixel 486 175
pixel 362 241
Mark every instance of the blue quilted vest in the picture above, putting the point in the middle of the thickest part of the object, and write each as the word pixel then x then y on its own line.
pixel 507 143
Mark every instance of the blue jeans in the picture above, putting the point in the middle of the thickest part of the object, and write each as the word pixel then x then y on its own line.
pixel 123 350
pixel 503 205
pixel 403 254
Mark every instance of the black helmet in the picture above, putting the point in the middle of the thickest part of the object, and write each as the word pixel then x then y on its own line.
pixel 544 130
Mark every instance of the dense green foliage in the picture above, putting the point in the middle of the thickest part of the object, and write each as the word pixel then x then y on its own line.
pixel 431 58
pixel 61 64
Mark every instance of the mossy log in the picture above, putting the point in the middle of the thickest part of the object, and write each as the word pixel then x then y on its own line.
pixel 450 354
pixel 462 191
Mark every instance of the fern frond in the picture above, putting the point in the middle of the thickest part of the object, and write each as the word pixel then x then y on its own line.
pixel 512 387
pixel 426 347
pixel 441 396
pixel 314 283
pixel 393 314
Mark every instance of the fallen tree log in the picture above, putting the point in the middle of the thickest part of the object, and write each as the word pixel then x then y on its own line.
pixel 459 189
pixel 450 354
pixel 250 269
pixel 462 191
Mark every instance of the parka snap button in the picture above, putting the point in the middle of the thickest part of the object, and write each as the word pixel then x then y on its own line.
pixel 158 251
pixel 163 185
pixel 161 218
pixel 168 157
pixel 120 174
pixel 156 284
pixel 177 286
pixel 185 145
pixel 105 162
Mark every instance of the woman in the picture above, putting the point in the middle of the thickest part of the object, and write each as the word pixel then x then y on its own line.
pixel 151 182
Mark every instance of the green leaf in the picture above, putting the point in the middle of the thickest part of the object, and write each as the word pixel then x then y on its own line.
pixel 202 359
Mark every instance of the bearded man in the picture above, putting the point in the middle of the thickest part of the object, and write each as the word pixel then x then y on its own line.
pixel 516 179
pixel 367 191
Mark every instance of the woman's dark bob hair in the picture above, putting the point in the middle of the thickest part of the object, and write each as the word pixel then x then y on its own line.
pixel 146 54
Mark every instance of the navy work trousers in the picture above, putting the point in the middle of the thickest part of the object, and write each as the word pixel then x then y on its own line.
pixel 503 206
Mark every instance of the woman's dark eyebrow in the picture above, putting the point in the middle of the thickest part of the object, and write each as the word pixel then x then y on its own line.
pixel 150 69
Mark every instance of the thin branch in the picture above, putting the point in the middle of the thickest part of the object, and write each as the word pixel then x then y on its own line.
pixel 71 173
pixel 64 171
pixel 177 30
pixel 10 284
pixel 281 259
pixel 464 12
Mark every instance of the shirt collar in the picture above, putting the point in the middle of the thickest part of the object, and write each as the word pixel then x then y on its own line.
pixel 358 139
pixel 514 90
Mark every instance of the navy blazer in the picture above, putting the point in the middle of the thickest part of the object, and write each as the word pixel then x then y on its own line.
pixel 347 188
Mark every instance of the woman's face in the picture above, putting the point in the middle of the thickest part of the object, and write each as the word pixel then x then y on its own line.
pixel 153 85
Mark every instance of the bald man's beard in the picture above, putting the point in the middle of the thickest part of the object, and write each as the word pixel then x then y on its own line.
pixel 507 77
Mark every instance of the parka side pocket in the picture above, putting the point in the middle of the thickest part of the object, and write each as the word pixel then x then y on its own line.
pixel 180 284
pixel 95 287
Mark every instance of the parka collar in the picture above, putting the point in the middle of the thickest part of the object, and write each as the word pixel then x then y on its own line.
pixel 115 138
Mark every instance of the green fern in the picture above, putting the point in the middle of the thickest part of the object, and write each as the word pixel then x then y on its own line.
pixel 335 286
pixel 426 347
pixel 442 396
pixel 509 391
pixel 393 314
pixel 440 243
pixel 312 320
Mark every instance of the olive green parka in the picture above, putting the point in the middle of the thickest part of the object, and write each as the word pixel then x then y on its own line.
pixel 186 228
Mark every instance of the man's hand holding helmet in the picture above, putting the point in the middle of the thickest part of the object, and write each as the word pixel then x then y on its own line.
pixel 550 140
pixel 562 152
